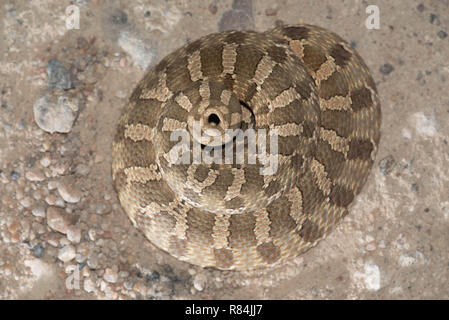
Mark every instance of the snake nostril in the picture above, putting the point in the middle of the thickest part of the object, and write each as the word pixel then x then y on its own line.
pixel 213 119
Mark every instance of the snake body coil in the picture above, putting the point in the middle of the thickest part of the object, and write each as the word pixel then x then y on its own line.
pixel 302 82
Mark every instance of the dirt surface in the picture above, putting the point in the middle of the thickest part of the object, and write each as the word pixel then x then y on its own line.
pixel 63 234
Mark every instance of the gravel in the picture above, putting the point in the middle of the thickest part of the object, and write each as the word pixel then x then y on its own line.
pixel 58 76
pixel 68 191
pixel 66 253
pixel 57 219
pixel 55 114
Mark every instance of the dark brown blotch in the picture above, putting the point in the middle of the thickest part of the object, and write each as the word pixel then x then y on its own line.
pixel 314 57
pixel 248 57
pixel 277 54
pixel 160 67
pixel 228 82
pixel 341 196
pixel 269 252
pixel 360 149
pixel 341 55
pixel 361 99
pixel 311 194
pixel 234 203
pixel 337 120
pixel 178 75
pixel 310 231
pixel 200 226
pixel 279 215
pixel 211 60
pixel 335 85
pixel 236 37
pixel 201 173
pixel 279 79
pixel 194 46
pixel 224 258
pixel 303 88
pixel 296 33
pixel 250 92
pixel 329 158
pixel 241 231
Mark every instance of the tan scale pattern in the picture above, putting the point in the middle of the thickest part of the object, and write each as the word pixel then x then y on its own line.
pixel 302 81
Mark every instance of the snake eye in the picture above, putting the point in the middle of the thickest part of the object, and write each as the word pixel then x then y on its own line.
pixel 213 119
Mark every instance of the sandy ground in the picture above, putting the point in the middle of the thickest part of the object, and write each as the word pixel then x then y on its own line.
pixel 63 234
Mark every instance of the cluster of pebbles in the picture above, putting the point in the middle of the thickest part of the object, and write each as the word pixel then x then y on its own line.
pixel 61 214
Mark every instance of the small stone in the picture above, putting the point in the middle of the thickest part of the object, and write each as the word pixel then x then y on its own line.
pixel 52 185
pixel 406 260
pixel 442 34
pixel 69 192
pixel 39 211
pixel 38 251
pixel 53 115
pixel 434 19
pixel 15 175
pixel 35 174
pixel 199 281
pixel 140 288
pixel 420 7
pixel 45 161
pixel 370 277
pixel 119 17
pixel 92 234
pixel 67 253
pixel 98 158
pixel 81 43
pixel 110 275
pixel 102 208
pixel 154 276
pixel 128 285
pixel 386 165
pixel 58 75
pixel 271 12
pixel 147 14
pixel 386 69
pixel 74 234
pixel 89 285
pixel 53 200
pixel 26 202
pixel 371 246
pixel 82 169
pixel 93 261
pixel 57 219
pixel 213 8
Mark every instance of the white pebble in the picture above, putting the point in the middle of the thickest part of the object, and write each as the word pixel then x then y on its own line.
pixel 199 282
pixel 110 275
pixel 370 278
pixel 66 253
pixel 68 192
pixel 34 174
pixel 74 234
pixel 89 285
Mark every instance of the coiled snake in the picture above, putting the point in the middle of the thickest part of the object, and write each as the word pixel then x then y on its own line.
pixel 302 82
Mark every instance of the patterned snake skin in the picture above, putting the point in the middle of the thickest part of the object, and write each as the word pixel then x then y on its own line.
pixel 304 83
